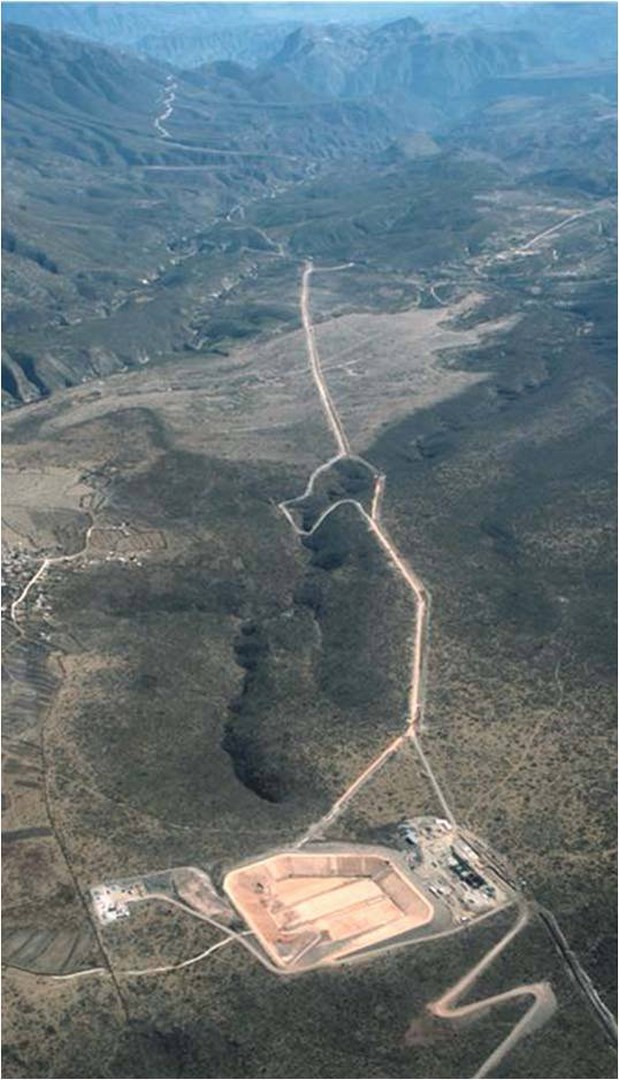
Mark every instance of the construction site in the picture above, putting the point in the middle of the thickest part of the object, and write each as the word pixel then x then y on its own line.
pixel 316 906
pixel 329 902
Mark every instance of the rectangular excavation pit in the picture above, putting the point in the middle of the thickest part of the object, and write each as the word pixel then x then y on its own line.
pixel 313 907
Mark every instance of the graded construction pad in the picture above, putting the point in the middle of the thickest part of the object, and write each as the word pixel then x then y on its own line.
pixel 313 907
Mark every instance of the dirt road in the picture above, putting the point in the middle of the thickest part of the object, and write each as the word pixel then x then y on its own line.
pixel 544 1003
pixel 331 414
pixel 169 95
pixel 412 581
pixel 47 562
pixel 543 999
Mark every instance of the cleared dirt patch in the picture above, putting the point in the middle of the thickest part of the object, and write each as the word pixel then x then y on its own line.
pixel 380 368
pixel 313 907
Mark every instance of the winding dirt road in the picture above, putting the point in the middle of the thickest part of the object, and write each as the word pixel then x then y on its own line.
pixel 544 1002
pixel 169 95
pixel 542 1007
pixel 374 523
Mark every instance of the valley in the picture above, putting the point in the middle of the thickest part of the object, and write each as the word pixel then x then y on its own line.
pixel 308 550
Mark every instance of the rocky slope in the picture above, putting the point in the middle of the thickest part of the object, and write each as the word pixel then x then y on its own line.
pixel 404 64
pixel 98 202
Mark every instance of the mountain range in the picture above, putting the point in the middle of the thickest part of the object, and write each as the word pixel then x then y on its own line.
pixel 188 34
pixel 85 159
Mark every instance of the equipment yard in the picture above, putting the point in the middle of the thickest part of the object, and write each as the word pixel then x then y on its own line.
pixel 185 886
pixel 451 870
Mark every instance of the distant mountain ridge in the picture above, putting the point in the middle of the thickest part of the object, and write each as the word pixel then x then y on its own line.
pixel 85 160
pixel 403 63
pixel 190 34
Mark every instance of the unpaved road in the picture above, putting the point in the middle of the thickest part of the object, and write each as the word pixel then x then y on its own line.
pixel 169 95
pixel 410 578
pixel 543 1003
pixel 47 562
pixel 542 1007
pixel 330 411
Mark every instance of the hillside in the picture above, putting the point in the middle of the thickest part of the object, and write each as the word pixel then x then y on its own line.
pixel 188 34
pixel 403 61
pixel 85 158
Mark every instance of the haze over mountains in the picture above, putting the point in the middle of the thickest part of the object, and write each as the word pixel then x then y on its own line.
pixel 84 153
pixel 190 33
